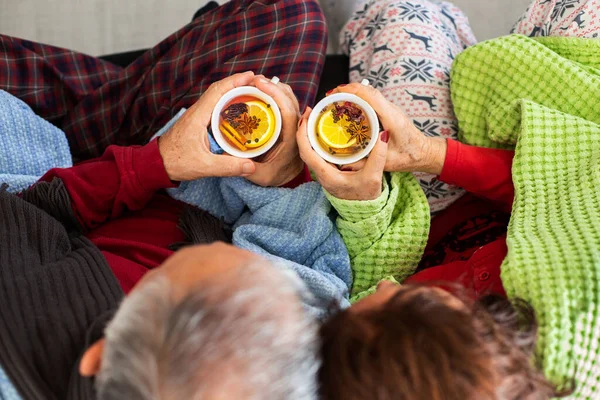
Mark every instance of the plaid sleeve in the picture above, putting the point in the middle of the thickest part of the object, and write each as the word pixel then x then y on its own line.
pixel 98 104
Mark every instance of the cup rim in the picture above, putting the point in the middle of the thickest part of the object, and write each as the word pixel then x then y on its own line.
pixel 226 98
pixel 371 116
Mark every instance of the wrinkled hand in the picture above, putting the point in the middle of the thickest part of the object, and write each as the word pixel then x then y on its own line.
pixel 363 184
pixel 185 149
pixel 282 163
pixel 409 149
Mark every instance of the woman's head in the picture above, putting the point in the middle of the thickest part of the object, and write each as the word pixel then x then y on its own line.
pixel 420 342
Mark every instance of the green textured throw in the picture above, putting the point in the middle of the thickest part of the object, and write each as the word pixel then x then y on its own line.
pixel 385 236
pixel 543 95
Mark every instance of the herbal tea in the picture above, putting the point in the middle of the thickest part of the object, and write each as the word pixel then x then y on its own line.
pixel 343 129
pixel 247 123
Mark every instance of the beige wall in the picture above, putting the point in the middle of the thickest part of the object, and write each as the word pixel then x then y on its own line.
pixel 96 26
pixel 492 18
pixel 106 26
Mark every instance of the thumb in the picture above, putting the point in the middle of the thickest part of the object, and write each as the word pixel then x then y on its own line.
pixel 224 165
pixel 376 162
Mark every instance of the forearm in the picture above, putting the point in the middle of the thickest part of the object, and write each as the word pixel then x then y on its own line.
pixel 385 236
pixel 124 178
pixel 482 171
pixel 411 151
pixel 431 156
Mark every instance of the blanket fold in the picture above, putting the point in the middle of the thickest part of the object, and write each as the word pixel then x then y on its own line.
pixel 541 96
pixel 292 227
pixel 29 145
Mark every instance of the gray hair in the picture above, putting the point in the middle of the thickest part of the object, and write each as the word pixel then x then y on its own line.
pixel 246 336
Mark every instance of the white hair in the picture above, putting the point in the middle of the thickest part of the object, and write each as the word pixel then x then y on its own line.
pixel 244 334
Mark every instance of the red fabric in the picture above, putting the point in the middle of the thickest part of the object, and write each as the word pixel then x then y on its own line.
pixel 117 199
pixel 302 177
pixel 467 241
pixel 98 104
pixel 480 274
pixel 486 173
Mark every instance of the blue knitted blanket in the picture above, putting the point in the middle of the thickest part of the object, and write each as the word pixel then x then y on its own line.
pixel 292 227
pixel 29 145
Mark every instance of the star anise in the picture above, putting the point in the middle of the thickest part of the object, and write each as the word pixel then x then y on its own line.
pixel 359 132
pixel 246 124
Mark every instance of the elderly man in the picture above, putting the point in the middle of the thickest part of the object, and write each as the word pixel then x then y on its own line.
pixel 210 322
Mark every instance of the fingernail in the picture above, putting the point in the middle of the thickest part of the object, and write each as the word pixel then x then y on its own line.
pixel 385 136
pixel 247 168
pixel 329 92
pixel 343 84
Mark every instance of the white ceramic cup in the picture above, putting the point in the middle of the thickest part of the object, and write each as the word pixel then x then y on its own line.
pixel 226 99
pixel 312 132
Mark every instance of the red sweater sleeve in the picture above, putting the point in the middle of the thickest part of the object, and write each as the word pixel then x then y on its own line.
pixel 124 178
pixel 481 171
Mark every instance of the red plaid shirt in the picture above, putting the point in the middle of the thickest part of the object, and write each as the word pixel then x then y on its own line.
pixel 98 104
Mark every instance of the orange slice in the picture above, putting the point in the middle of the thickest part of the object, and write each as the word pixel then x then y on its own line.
pixel 266 126
pixel 333 134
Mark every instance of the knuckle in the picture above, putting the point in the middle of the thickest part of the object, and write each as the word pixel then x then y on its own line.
pixel 371 91
pixel 375 181
pixel 369 185
pixel 341 183
pixel 381 154
pixel 214 87
pixel 289 115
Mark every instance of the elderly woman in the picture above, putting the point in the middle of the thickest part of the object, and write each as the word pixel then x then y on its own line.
pixel 465 325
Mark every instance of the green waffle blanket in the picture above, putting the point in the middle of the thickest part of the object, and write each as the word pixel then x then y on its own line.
pixel 543 95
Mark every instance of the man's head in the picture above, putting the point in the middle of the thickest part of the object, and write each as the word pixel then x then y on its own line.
pixel 420 342
pixel 213 322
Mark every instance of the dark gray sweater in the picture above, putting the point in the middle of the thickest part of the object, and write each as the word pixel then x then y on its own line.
pixel 56 293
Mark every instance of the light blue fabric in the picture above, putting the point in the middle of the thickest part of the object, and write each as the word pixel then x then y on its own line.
pixel 291 226
pixel 7 390
pixel 29 145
